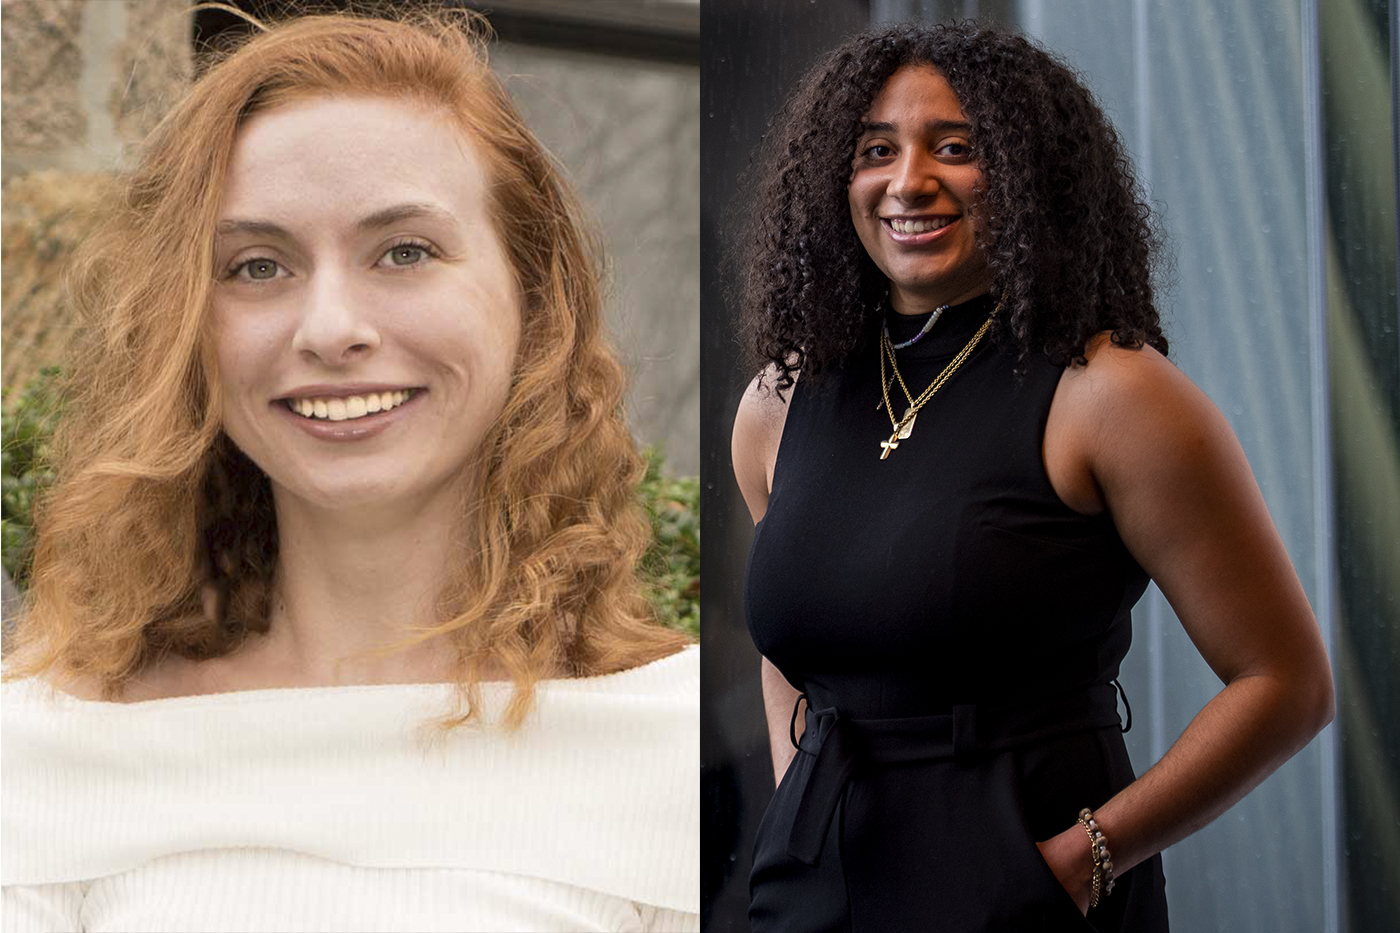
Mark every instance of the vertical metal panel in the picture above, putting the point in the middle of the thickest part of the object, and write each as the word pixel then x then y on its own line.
pixel 1324 600
pixel 1358 134
pixel 1210 99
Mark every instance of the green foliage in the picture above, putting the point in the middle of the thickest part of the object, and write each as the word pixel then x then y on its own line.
pixel 27 425
pixel 671 566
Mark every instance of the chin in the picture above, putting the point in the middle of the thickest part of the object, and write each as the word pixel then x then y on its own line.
pixel 353 493
pixel 962 286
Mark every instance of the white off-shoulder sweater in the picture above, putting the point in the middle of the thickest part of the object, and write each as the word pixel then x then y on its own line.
pixel 326 809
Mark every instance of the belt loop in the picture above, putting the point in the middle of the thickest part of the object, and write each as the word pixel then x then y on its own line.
pixel 792 723
pixel 820 793
pixel 1124 694
pixel 964 733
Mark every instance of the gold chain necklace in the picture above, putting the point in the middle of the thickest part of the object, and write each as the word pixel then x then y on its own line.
pixel 905 426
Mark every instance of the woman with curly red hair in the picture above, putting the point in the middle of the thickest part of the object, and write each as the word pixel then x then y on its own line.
pixel 343 456
pixel 966 455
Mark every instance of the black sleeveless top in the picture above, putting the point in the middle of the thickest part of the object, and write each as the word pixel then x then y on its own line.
pixel 948 575
pixel 949 572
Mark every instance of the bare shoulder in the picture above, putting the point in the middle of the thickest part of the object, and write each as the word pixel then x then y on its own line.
pixel 758 431
pixel 155 682
pixel 29 660
pixel 79 685
pixel 1130 390
pixel 1113 371
pixel 763 407
pixel 163 678
pixel 1126 411
pixel 1173 477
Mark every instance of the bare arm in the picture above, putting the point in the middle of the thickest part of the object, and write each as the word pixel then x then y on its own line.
pixel 1130 434
pixel 758 429
pixel 779 700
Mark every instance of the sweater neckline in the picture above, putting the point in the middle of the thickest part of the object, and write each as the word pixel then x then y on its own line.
pixel 599 683
pixel 602 765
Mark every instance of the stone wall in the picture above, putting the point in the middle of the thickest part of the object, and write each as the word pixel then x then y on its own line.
pixel 628 132
pixel 82 80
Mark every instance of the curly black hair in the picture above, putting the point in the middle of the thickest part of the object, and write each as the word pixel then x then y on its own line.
pixel 1069 236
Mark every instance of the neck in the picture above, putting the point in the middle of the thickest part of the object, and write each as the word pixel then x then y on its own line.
pixel 912 302
pixel 353 583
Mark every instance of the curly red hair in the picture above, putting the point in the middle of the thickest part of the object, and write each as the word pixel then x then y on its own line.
pixel 159 535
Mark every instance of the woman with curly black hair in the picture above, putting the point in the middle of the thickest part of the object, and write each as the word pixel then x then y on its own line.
pixel 966 455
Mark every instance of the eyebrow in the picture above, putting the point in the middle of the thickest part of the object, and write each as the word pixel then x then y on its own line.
pixel 381 218
pixel 934 126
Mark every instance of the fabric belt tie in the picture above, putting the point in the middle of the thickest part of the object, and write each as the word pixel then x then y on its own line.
pixel 840 744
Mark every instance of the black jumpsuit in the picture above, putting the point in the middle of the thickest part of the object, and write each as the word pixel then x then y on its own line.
pixel 956 630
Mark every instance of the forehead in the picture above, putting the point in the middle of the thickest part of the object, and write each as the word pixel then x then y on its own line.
pixel 914 95
pixel 327 155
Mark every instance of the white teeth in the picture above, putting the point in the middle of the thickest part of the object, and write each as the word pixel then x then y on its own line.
pixel 920 226
pixel 349 407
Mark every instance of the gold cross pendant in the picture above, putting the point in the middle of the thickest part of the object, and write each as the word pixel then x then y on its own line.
pixel 889 445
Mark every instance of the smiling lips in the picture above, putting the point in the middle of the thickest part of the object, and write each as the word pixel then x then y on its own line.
pixel 349 407
pixel 918 225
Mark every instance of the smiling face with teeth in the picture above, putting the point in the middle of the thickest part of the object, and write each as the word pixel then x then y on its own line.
pixel 365 315
pixel 913 193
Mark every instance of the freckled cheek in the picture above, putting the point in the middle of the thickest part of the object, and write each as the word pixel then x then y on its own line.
pixel 495 354
pixel 245 350
pixel 459 352
pixel 496 334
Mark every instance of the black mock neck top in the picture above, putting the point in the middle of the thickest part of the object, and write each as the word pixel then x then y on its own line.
pixel 949 572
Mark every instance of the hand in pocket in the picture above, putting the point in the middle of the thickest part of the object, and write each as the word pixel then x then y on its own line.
pixel 1072 863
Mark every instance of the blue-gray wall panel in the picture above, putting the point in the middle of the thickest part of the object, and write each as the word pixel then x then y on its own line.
pixel 1215 117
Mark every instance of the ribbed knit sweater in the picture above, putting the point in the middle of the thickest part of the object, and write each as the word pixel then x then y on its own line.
pixel 330 809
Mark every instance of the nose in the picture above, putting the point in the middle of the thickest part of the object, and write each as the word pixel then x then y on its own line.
pixel 335 326
pixel 915 177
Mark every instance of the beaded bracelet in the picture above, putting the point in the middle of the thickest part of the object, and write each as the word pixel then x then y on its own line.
pixel 1103 862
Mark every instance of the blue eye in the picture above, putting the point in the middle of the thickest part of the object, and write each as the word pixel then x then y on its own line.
pixel 407 254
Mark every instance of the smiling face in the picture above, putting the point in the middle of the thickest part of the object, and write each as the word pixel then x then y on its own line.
pixel 365 315
pixel 913 191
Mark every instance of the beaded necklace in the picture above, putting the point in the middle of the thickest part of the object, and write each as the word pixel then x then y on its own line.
pixel 928 325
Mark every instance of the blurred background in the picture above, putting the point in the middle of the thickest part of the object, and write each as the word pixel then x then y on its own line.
pixel 611 87
pixel 1265 133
